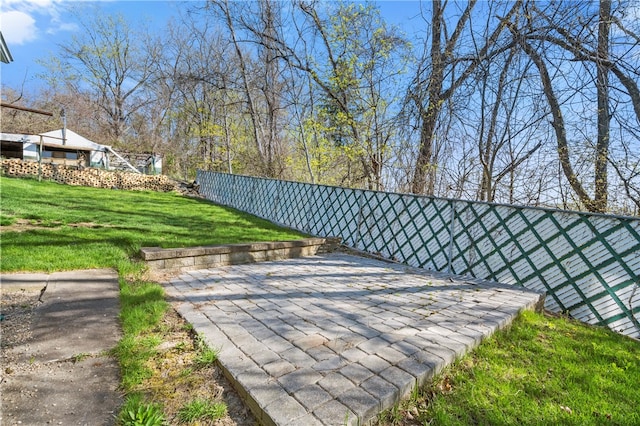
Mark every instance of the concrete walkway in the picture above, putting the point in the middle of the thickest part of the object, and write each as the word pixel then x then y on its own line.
pixel 63 373
pixel 335 339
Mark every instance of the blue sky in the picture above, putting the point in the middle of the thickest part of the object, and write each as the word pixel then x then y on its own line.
pixel 34 28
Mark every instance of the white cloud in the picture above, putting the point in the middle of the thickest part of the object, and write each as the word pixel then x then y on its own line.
pixel 62 26
pixel 18 27
pixel 23 21
pixel 28 5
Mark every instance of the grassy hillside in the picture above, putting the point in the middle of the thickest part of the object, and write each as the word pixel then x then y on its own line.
pixel 543 370
pixel 52 227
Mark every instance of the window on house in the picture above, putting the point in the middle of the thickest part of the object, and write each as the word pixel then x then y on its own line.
pixel 60 154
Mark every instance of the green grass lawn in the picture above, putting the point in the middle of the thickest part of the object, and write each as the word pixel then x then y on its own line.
pixel 79 228
pixel 542 371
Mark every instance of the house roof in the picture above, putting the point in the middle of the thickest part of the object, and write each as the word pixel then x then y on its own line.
pixel 5 55
pixel 72 140
pixel 54 139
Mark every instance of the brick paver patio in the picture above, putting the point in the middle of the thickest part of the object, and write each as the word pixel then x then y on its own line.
pixel 335 339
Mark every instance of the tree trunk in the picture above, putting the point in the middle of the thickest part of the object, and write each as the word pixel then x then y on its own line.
pixel 422 178
pixel 602 85
pixel 253 112
pixel 557 123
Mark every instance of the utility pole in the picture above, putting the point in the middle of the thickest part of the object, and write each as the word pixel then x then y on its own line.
pixel 64 126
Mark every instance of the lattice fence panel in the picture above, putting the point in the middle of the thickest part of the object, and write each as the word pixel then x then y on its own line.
pixel 244 194
pixel 427 231
pixel 293 199
pixel 318 214
pixel 578 259
pixel 373 222
pixel 589 265
pixel 409 229
pixel 266 197
pixel 334 212
pixel 212 185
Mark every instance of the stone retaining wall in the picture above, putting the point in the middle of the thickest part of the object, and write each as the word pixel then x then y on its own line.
pixel 93 177
pixel 173 260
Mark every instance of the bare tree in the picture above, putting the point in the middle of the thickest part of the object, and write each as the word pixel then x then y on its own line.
pixel 354 59
pixel 584 40
pixel 196 79
pixel 441 73
pixel 261 75
pixel 109 61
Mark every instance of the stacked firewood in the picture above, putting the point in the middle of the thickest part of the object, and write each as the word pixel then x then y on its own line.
pixel 15 167
pixel 98 178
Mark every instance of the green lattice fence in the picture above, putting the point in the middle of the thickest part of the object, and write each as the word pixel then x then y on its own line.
pixel 588 264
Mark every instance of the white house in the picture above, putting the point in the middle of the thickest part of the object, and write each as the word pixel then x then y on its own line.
pixel 73 150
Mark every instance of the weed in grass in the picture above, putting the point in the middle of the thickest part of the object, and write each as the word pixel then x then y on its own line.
pixel 391 416
pixel 6 220
pixel 206 356
pixel 415 392
pixel 136 412
pixel 202 409
pixel 133 353
pixel 186 372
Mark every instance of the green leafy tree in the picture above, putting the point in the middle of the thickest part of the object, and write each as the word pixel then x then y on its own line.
pixel 355 69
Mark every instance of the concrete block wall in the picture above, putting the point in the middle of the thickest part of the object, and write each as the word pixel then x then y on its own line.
pixel 173 260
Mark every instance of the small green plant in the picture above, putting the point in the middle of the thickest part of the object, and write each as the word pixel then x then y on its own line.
pixel 79 357
pixel 186 372
pixel 206 356
pixel 391 416
pixel 415 393
pixel 202 409
pixel 6 220
pixel 138 413
pixel 346 418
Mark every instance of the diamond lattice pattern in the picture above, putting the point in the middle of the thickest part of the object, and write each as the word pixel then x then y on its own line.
pixel 589 265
